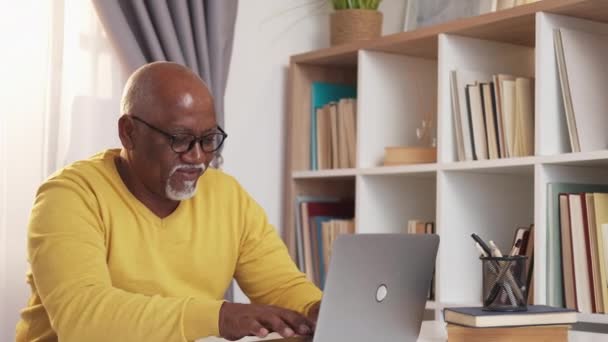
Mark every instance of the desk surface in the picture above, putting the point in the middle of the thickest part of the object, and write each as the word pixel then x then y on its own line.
pixel 434 331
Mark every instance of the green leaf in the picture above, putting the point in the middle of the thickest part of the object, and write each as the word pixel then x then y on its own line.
pixel 356 4
pixel 339 4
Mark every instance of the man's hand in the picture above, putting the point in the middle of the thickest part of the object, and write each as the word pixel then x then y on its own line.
pixel 240 320
pixel 313 313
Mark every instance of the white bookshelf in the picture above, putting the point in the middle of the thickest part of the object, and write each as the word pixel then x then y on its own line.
pixel 402 77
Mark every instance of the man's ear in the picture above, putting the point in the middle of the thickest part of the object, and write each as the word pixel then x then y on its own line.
pixel 126 131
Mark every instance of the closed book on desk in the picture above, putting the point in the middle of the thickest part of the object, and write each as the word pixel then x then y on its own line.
pixel 544 333
pixel 535 315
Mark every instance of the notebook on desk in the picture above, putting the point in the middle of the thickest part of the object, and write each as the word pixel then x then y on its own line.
pixel 376 288
pixel 535 315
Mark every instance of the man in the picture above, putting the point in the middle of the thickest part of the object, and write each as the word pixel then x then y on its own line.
pixel 140 244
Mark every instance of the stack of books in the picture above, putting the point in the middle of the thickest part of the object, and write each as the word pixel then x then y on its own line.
pixel 538 323
pixel 493 115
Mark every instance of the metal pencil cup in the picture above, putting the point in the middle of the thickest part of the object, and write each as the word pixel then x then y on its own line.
pixel 505 283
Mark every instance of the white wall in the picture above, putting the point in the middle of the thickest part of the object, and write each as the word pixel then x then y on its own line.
pixel 265 36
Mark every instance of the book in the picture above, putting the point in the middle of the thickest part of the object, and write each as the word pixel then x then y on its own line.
pixel 477 121
pixel 489 112
pixel 594 252
pixel 601 216
pixel 524 117
pixel 456 117
pixel 535 315
pixel 569 288
pixel 581 58
pixel 324 144
pixel 580 254
pixel 499 120
pixel 565 88
pixel 508 103
pixel 543 333
pixel 350 130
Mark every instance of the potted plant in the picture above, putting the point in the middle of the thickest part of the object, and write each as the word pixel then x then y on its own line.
pixel 354 20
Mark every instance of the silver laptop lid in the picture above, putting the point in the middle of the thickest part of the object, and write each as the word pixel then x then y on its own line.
pixel 376 288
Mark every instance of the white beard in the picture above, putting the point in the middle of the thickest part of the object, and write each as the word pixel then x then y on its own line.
pixel 188 189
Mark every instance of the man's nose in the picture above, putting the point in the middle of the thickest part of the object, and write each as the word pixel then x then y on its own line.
pixel 195 155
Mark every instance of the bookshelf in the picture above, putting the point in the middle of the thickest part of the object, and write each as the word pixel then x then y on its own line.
pixel 403 77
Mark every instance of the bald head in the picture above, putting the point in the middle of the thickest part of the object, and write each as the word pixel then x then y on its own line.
pixel 163 85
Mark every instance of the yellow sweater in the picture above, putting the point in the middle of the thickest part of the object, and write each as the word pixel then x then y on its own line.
pixel 105 268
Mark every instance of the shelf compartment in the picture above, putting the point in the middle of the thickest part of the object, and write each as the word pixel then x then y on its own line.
pixel 552 131
pixel 469 54
pixel 396 93
pixel 385 203
pixel 300 108
pixel 555 173
pixel 490 205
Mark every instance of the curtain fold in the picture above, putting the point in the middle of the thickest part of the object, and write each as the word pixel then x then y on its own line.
pixel 195 33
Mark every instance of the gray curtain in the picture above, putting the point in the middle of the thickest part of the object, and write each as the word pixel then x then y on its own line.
pixel 194 33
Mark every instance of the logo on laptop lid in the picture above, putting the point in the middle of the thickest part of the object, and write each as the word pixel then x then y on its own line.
pixel 381 293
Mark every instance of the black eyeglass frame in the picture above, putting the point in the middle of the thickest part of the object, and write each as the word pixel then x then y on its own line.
pixel 173 137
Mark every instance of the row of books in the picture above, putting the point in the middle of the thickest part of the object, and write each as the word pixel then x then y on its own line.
pixel 577 247
pixel 319 220
pixel 336 126
pixel 493 115
pixel 333 125
pixel 423 227
pixel 583 76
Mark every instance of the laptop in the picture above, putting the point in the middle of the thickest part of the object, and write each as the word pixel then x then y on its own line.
pixel 376 288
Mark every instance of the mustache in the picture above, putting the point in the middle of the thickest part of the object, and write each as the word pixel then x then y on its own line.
pixel 201 167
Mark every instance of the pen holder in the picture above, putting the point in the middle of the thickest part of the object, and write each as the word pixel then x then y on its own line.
pixel 505 283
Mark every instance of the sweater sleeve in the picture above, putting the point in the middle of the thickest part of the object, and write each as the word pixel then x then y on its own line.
pixel 67 253
pixel 265 271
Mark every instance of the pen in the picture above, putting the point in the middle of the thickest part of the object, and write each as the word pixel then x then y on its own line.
pixel 482 244
pixel 495 251
pixel 483 253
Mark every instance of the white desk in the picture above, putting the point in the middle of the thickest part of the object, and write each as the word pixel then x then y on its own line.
pixel 434 331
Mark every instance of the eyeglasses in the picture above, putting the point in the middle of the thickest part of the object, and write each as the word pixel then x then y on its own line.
pixel 184 142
